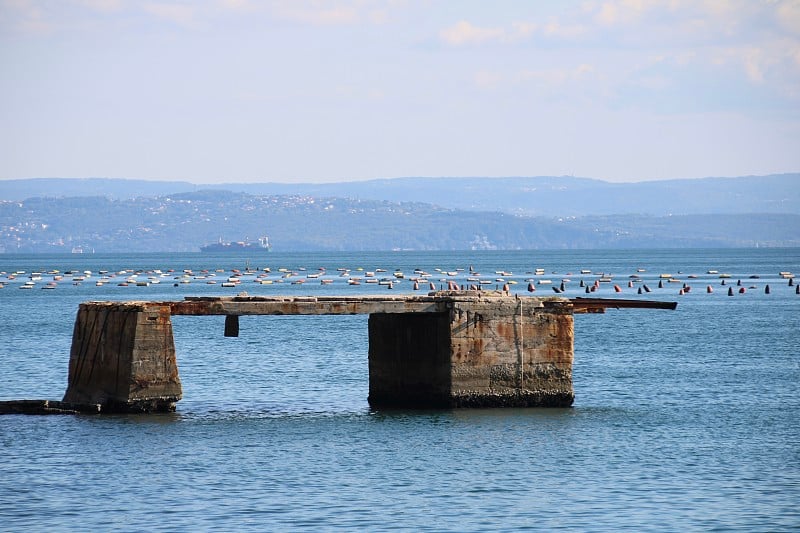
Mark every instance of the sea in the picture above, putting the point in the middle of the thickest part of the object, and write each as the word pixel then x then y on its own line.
pixel 683 420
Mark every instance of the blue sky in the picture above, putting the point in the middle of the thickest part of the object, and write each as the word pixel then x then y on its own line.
pixel 213 91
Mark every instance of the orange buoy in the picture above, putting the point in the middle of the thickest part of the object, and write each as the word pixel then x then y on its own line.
pixel 742 290
pixel 687 288
pixel 680 292
pixel 617 288
pixel 709 289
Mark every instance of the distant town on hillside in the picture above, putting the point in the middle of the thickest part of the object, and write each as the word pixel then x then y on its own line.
pixel 114 215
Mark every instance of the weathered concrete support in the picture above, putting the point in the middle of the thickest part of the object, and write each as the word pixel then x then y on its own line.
pixel 482 352
pixel 409 359
pixel 123 357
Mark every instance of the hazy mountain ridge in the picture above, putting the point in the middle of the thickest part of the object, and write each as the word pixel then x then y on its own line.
pixel 536 196
pixel 183 222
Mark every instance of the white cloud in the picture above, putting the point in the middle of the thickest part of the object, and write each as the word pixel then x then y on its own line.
pixel 181 14
pixel 554 28
pixel 26 15
pixel 317 16
pixel 328 13
pixel 486 79
pixel 556 77
pixel 788 15
pixel 106 6
pixel 465 33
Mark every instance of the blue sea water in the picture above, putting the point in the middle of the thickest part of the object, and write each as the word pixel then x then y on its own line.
pixel 686 419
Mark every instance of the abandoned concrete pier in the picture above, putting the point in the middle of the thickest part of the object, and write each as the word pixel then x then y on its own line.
pixel 445 349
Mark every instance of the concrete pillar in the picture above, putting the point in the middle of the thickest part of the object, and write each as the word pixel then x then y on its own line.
pixel 512 353
pixel 483 352
pixel 123 357
pixel 409 359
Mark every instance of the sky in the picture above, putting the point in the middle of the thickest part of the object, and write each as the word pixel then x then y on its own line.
pixel 215 91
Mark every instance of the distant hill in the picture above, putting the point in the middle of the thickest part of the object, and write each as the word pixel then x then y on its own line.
pixel 549 196
pixel 183 222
